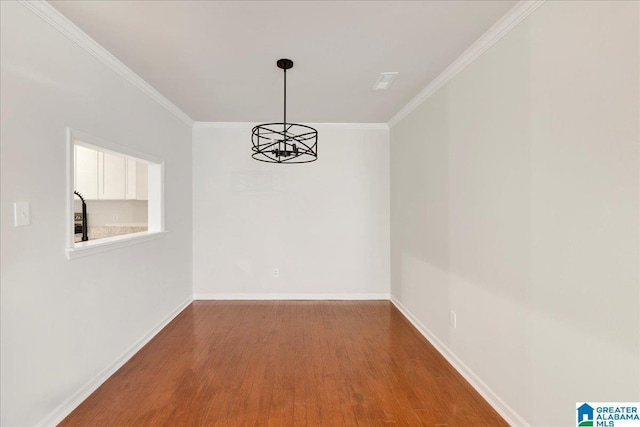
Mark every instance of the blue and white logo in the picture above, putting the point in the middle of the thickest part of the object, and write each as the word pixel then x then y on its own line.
pixel 608 414
pixel 585 415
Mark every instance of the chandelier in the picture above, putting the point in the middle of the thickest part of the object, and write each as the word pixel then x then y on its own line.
pixel 284 142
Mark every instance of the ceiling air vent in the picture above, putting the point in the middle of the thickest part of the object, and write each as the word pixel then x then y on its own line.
pixel 385 80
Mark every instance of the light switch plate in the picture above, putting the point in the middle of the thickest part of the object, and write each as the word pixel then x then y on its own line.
pixel 21 214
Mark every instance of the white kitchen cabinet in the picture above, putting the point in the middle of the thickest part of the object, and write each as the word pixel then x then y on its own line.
pixel 136 180
pixel 111 177
pixel 86 172
pixel 142 178
pixel 131 180
pixel 104 176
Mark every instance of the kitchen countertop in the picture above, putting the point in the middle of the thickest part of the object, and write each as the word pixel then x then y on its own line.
pixel 101 232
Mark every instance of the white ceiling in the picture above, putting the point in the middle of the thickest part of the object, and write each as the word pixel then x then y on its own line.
pixel 216 59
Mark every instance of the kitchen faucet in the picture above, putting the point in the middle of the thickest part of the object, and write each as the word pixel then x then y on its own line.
pixel 84 217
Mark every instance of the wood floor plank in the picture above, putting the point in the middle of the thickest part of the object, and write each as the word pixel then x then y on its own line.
pixel 286 363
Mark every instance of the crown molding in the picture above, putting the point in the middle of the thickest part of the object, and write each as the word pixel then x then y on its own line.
pixel 355 126
pixel 505 24
pixel 244 125
pixel 223 125
pixel 58 21
pixel 50 15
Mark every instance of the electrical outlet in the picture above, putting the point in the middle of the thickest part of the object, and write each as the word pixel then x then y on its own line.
pixel 276 272
pixel 115 217
pixel 452 319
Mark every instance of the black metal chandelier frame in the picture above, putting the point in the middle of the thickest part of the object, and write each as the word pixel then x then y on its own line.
pixel 284 142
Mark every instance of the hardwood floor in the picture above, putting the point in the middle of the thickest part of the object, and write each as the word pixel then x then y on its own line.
pixel 284 363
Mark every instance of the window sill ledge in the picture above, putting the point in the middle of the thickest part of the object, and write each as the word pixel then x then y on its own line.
pixel 92 247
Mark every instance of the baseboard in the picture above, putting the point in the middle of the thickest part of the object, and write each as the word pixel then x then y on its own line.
pixel 72 402
pixel 509 415
pixel 268 297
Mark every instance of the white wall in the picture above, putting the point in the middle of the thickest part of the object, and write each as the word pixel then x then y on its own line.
pixel 324 225
pixel 515 203
pixel 65 321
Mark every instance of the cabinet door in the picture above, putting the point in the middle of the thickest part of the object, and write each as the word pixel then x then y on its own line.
pixel 86 172
pixel 131 179
pixel 142 172
pixel 111 177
